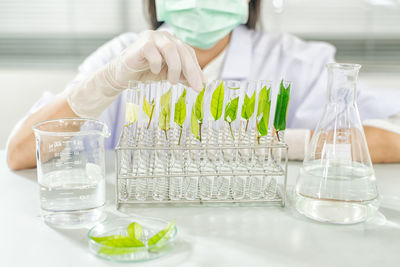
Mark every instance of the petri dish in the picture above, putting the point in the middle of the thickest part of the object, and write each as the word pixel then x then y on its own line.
pixel 151 226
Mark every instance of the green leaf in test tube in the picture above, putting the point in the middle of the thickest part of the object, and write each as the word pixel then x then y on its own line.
pixel 231 113
pixel 194 124
pixel 199 106
pixel 248 108
pixel 148 109
pixel 217 102
pixel 199 109
pixel 263 111
pixel 180 109
pixel 131 113
pixel 180 113
pixel 165 113
pixel 281 110
pixel 231 110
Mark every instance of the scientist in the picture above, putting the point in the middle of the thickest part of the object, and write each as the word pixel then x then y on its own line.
pixel 202 40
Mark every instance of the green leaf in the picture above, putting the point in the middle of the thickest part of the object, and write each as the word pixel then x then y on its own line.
pixel 263 111
pixel 118 244
pixel 281 110
pixel 194 124
pixel 262 124
pixel 165 112
pixel 263 99
pixel 135 230
pixel 217 101
pixel 148 108
pixel 162 235
pixel 248 106
pixel 231 110
pixel 106 238
pixel 132 112
pixel 244 111
pixel 180 109
pixel 123 242
pixel 199 105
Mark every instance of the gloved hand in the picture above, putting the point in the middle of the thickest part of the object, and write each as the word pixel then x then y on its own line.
pixel 156 55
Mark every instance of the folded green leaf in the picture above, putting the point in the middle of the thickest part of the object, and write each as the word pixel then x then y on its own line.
pixel 248 106
pixel 121 245
pixel 263 111
pixel 102 239
pixel 194 124
pixel 123 242
pixel 199 106
pixel 231 110
pixel 180 109
pixel 131 113
pixel 135 230
pixel 262 125
pixel 217 101
pixel 147 107
pixel 163 235
pixel 165 112
pixel 118 244
pixel 263 99
pixel 282 105
pixel 148 110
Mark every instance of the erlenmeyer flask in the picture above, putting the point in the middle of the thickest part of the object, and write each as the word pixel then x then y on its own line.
pixel 336 183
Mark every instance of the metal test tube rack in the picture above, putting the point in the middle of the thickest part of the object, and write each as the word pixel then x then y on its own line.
pixel 276 169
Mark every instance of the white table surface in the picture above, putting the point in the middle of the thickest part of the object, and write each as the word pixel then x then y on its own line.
pixel 208 236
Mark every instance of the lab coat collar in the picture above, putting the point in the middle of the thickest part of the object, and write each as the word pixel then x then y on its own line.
pixel 238 58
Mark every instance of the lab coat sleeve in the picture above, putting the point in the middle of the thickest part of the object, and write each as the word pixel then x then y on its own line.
pixel 113 115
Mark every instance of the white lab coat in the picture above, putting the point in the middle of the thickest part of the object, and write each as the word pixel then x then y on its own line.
pixel 255 55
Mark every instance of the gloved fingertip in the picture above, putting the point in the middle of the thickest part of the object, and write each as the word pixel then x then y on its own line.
pixel 197 86
pixel 155 69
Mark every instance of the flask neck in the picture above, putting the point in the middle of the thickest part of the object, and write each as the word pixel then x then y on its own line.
pixel 342 83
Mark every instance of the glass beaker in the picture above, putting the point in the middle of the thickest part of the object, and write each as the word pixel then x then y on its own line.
pixel 337 183
pixel 71 170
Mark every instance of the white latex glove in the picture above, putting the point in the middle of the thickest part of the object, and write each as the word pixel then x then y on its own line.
pixel 156 55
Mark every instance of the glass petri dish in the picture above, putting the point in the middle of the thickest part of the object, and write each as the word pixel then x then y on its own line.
pixel 151 226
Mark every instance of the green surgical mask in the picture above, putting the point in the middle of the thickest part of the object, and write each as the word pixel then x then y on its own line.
pixel 202 23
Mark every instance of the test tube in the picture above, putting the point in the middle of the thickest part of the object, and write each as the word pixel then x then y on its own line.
pixel 261 151
pixel 213 135
pixel 177 141
pixel 281 111
pixel 162 145
pixel 145 138
pixel 130 159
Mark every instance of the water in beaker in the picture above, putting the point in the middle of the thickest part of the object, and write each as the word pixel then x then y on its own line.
pixel 337 183
pixel 71 172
